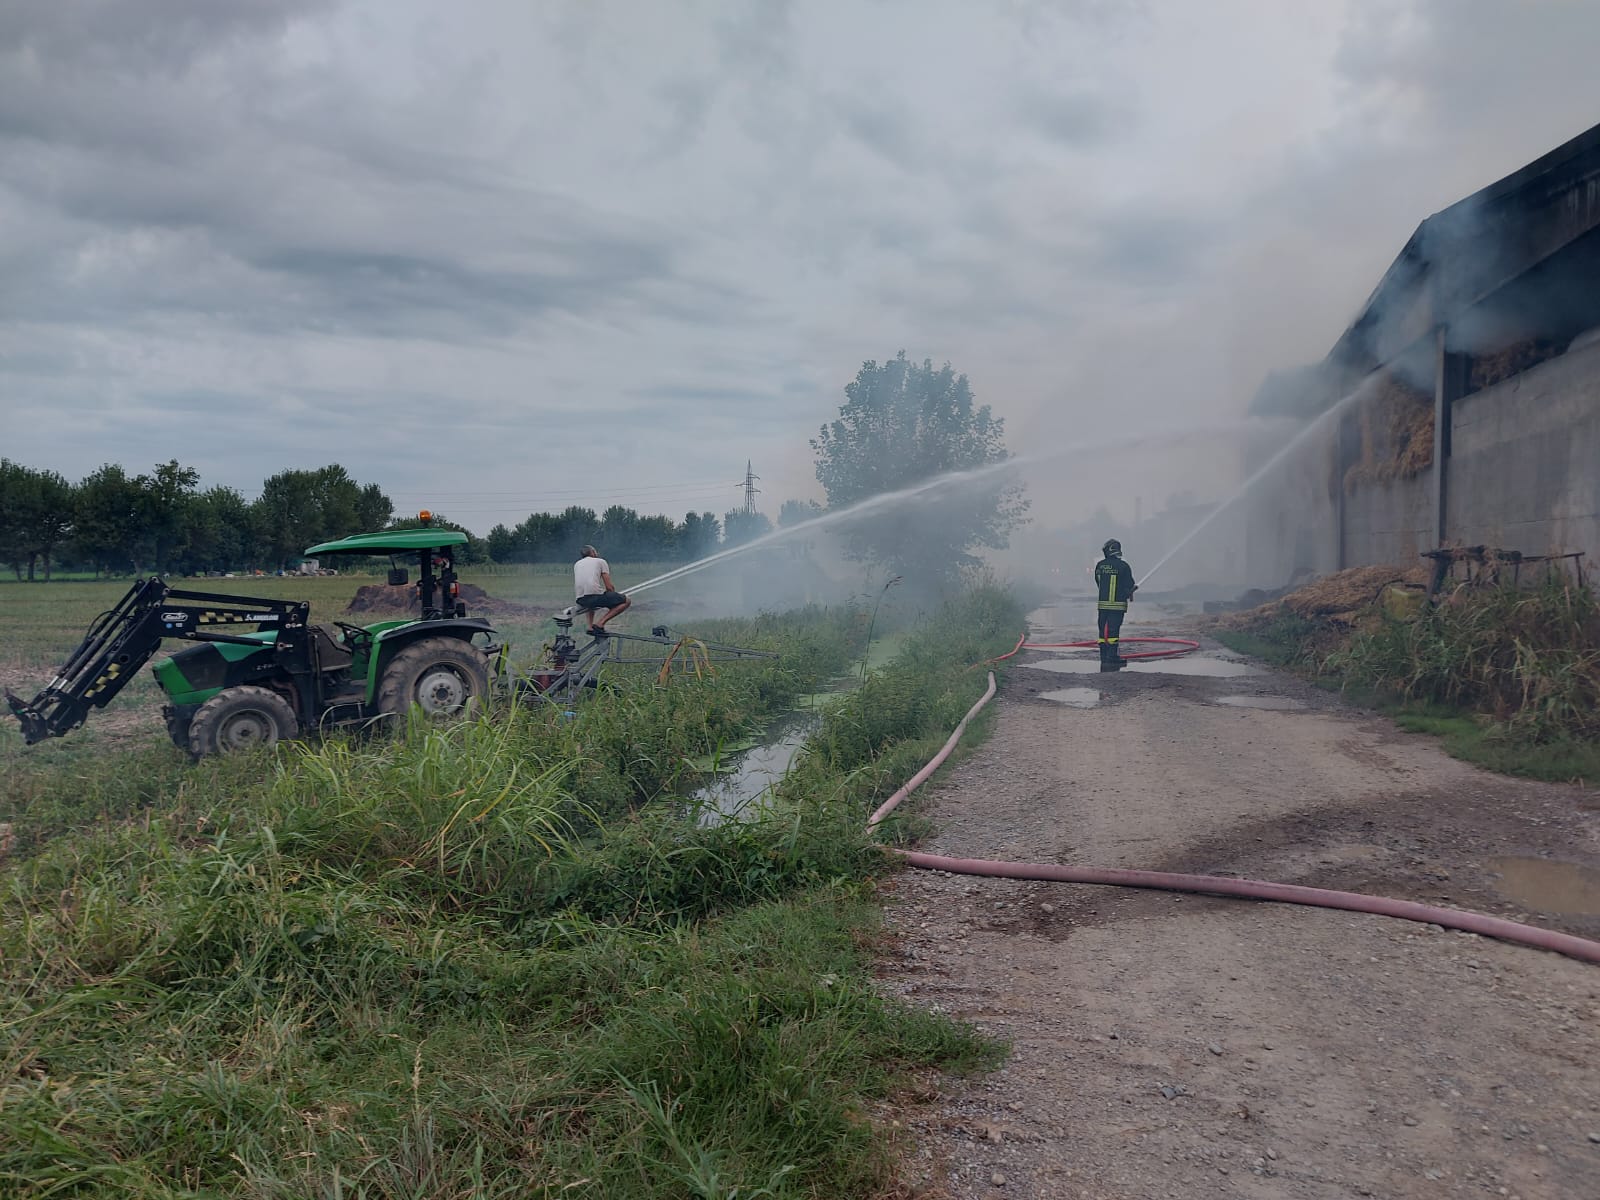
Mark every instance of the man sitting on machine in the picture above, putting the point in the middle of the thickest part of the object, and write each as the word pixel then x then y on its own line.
pixel 591 579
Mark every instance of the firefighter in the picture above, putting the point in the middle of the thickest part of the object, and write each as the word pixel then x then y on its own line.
pixel 1114 578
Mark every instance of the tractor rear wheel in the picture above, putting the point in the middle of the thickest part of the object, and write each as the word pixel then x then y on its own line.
pixel 241 718
pixel 441 676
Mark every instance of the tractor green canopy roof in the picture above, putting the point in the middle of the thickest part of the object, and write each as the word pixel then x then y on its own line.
pixel 395 541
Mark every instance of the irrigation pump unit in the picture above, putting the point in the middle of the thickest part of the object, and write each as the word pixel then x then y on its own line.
pixel 571 670
pixel 286 676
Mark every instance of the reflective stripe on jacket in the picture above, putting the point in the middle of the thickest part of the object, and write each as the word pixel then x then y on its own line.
pixel 1114 578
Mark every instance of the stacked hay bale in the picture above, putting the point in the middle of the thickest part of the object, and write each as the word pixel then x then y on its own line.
pixel 1342 599
pixel 1490 369
pixel 1396 434
pixel 1346 596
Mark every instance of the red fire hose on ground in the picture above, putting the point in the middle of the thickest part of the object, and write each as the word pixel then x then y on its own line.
pixel 1218 885
pixel 1180 646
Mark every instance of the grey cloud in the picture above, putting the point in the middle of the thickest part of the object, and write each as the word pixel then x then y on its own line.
pixel 1077 119
pixel 689 391
pixel 409 295
pixel 886 129
pixel 148 35
pixel 1149 247
pixel 299 215
pixel 687 101
pixel 756 39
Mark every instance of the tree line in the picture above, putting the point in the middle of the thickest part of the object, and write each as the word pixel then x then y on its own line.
pixel 902 424
pixel 624 535
pixel 114 523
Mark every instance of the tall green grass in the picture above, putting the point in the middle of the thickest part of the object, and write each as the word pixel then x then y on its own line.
pixel 1528 658
pixel 623 752
pixel 879 735
pixel 477 961
pixel 1508 677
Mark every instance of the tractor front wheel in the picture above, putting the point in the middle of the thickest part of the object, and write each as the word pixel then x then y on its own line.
pixel 441 676
pixel 177 727
pixel 241 718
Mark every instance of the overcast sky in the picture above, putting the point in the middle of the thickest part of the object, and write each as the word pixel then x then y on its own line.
pixel 504 255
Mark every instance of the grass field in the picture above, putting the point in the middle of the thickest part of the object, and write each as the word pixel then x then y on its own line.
pixel 488 959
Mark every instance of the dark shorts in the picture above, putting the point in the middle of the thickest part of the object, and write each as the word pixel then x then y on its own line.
pixel 600 600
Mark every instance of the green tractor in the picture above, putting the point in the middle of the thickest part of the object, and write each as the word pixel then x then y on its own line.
pixel 286 677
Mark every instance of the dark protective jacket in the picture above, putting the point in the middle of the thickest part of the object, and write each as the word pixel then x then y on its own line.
pixel 1114 578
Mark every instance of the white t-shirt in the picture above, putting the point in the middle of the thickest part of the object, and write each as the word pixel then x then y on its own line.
pixel 586 576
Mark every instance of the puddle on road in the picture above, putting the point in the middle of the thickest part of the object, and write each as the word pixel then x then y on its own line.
pixel 1279 703
pixel 1557 887
pixel 1075 697
pixel 1214 668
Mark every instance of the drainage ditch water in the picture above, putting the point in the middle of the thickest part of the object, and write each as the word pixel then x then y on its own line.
pixel 745 777
pixel 748 775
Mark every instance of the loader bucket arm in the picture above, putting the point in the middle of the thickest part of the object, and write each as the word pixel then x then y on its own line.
pixel 124 638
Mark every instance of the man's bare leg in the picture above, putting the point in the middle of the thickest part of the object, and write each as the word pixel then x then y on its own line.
pixel 621 608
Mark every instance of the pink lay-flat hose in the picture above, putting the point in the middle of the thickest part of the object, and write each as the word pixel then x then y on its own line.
pixel 1221 885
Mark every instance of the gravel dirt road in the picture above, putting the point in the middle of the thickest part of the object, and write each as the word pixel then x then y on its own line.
pixel 1194 1047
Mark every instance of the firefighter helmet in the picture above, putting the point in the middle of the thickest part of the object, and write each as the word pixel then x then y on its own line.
pixel 1112 548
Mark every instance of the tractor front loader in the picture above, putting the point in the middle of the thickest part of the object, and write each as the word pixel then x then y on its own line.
pixel 285 677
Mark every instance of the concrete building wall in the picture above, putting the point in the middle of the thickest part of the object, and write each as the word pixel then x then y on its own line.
pixel 1388 522
pixel 1524 470
pixel 1292 528
pixel 1523 474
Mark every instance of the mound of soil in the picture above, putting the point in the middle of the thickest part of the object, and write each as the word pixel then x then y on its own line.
pixel 381 598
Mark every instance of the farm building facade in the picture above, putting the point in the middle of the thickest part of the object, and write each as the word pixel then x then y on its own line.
pixel 1462 406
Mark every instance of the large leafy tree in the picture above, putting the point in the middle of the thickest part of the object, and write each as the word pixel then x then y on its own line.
pixel 474 552
pixel 903 424
pixel 698 536
pixel 739 527
pixel 106 519
pixel 299 508
pixel 502 544
pixel 797 512
pixel 165 503
pixel 220 532
pixel 35 516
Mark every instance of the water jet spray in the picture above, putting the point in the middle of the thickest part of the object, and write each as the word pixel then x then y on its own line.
pixel 1244 488
pixel 950 479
